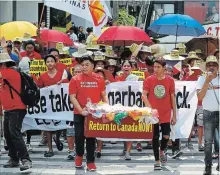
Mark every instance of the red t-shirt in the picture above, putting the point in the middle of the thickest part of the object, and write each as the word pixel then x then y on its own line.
pixel 45 80
pixel 141 66
pixel 9 103
pixel 61 67
pixel 159 95
pixel 120 78
pixel 32 56
pixel 86 86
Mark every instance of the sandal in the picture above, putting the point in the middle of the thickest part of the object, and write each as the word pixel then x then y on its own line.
pixel 59 144
pixel 48 154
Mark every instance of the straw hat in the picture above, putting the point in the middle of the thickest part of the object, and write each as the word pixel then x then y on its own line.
pixel 198 51
pixel 112 62
pixel 82 51
pixel 145 49
pixel 173 56
pixel 192 55
pixel 158 50
pixel 209 59
pixel 182 49
pixel 5 58
pixel 197 64
pixel 27 37
pixel 99 56
pixel 93 47
pixel 62 49
pixel 110 53
pixel 17 39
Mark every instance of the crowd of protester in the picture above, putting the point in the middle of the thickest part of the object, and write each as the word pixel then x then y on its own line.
pixel 104 65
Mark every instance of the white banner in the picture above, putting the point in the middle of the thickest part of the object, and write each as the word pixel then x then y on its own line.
pixel 54 104
pixel 129 94
pixel 45 125
pixel 95 11
pixel 55 108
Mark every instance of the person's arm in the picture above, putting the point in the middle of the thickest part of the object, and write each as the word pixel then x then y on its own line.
pixel 0 75
pixel 202 92
pixel 145 99
pixel 173 103
pixel 75 103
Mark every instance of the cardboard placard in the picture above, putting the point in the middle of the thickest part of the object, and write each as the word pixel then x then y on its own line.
pixel 129 129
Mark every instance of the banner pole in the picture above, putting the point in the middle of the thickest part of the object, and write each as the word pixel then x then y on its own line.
pixel 41 16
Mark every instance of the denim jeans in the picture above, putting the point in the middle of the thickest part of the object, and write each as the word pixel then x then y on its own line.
pixel 216 142
pixel 211 123
pixel 12 131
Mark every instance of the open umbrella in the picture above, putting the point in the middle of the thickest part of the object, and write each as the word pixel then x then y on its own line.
pixel 14 29
pixel 94 40
pixel 123 36
pixel 207 43
pixel 55 37
pixel 177 25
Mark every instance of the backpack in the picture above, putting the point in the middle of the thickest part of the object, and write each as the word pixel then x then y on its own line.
pixel 30 93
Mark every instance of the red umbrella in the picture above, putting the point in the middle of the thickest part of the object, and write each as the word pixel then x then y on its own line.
pixel 123 36
pixel 55 36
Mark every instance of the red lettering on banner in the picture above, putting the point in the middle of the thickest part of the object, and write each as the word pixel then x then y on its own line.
pixel 209 31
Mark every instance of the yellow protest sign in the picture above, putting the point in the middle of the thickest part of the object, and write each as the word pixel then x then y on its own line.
pixel 140 74
pixel 37 67
pixel 66 61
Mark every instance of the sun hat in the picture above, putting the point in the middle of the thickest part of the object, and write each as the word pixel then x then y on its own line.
pixel 93 47
pixel 198 51
pixel 110 53
pixel 182 49
pixel 173 56
pixel 62 49
pixel 27 37
pixel 209 59
pixel 112 62
pixel 5 58
pixel 17 39
pixel 145 49
pixel 196 64
pixel 99 56
pixel 158 50
pixel 82 51
pixel 192 55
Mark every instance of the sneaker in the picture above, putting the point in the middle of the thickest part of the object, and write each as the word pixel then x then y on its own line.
pixel 98 154
pixel 157 167
pixel 29 148
pixel 163 160
pixel 91 166
pixel 176 154
pixel 78 162
pixel 201 148
pixel 189 145
pixel 71 155
pixel 208 170
pixel 113 142
pixel 127 156
pixel 139 147
pixel 215 156
pixel 43 142
pixel 11 163
pixel 26 164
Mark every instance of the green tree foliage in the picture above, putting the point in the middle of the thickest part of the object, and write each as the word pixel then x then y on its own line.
pixel 125 19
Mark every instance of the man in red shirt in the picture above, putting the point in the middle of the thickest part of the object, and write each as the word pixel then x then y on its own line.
pixel 82 87
pixel 29 51
pixel 15 111
pixel 159 93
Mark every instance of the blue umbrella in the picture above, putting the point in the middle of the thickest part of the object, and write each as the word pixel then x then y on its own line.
pixel 178 25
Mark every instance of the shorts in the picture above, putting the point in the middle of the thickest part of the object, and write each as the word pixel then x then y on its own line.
pixel 70 132
pixel 199 116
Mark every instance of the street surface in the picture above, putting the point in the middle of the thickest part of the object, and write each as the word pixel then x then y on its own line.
pixel 111 162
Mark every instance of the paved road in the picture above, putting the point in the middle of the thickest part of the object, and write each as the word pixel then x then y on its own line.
pixel 190 163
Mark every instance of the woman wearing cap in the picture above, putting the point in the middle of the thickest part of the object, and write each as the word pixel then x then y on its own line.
pixel 125 76
pixel 49 78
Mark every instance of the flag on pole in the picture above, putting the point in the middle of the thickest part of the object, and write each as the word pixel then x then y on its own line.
pixel 95 11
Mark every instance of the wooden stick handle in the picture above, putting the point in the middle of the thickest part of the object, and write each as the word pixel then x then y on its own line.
pixel 41 16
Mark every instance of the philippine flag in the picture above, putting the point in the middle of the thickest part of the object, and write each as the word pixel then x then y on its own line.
pixel 176 65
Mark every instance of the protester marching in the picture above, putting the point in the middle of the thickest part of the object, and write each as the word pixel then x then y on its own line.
pixel 120 87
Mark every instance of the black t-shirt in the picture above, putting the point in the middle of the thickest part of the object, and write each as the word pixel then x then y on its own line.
pixel 81 37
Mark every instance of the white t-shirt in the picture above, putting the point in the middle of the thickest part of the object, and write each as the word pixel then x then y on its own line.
pixel 210 102
pixel 73 37
pixel 216 17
